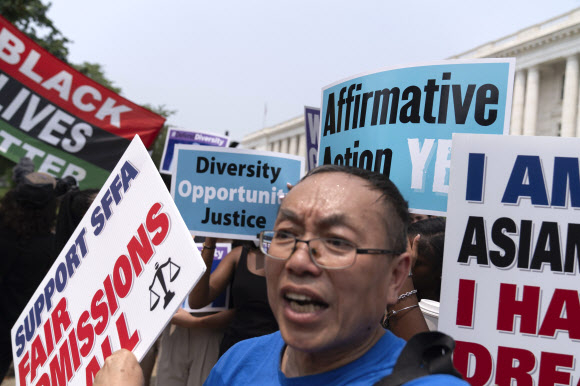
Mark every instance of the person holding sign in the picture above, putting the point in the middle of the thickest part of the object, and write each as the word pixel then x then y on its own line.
pixel 244 268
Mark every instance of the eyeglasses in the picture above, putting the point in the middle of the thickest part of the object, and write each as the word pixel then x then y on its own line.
pixel 325 252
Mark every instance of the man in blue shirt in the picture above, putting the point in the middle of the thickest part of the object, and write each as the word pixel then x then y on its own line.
pixel 336 257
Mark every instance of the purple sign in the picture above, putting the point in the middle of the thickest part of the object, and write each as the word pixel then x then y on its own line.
pixel 312 123
pixel 222 302
pixel 180 136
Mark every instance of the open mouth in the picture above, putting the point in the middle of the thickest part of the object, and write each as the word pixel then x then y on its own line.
pixel 303 303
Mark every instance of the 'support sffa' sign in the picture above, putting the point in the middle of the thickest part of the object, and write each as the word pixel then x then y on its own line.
pixel 399 121
pixel 510 271
pixel 116 284
pixel 65 122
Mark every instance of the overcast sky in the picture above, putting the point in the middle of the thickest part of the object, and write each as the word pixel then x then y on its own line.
pixel 218 63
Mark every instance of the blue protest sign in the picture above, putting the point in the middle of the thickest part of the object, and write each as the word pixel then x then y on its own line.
pixel 231 193
pixel 180 136
pixel 400 121
pixel 312 124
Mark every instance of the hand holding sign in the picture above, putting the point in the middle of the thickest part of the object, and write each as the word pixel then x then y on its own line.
pixel 120 369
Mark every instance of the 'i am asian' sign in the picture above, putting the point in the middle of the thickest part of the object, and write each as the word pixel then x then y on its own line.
pixel 510 271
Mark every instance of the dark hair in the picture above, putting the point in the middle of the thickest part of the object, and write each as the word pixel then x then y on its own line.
pixel 430 247
pixel 24 219
pixel 390 195
pixel 426 227
pixel 248 244
pixel 73 206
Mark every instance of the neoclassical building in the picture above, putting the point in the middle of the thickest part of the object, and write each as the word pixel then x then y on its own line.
pixel 287 137
pixel 546 100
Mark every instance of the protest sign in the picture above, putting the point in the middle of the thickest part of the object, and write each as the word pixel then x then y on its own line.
pixel 312 124
pixel 231 193
pixel 222 302
pixel 510 270
pixel 65 122
pixel 187 137
pixel 399 121
pixel 116 284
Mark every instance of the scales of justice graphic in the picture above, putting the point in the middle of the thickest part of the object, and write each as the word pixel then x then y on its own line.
pixel 167 269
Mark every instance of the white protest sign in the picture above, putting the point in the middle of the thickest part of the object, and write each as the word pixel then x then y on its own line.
pixel 116 284
pixel 510 271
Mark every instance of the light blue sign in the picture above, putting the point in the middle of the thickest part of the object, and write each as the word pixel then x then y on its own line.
pixel 231 193
pixel 400 121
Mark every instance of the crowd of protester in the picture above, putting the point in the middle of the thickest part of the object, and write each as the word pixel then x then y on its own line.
pixel 33 231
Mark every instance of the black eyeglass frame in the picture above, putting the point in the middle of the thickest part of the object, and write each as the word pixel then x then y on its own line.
pixel 361 251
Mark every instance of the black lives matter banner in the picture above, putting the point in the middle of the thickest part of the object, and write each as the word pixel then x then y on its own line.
pixel 65 122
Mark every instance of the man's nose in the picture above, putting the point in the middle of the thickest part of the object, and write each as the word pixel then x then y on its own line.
pixel 300 261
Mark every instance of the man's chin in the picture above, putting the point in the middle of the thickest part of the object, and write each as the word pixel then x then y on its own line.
pixel 303 339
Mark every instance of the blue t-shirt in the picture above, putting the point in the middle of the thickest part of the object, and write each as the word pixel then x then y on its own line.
pixel 256 361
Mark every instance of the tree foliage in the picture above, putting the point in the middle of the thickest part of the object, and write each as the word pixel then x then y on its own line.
pixel 29 16
pixel 95 72
pixel 159 144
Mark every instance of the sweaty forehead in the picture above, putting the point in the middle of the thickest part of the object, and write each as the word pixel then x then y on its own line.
pixel 329 195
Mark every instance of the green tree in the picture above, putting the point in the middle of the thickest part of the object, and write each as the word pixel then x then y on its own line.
pixel 29 16
pixel 159 144
pixel 95 72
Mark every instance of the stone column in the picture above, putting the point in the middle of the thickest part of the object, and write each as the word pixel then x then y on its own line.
pixel 293 145
pixel 286 145
pixel 531 103
pixel 276 146
pixel 302 145
pixel 518 103
pixel 570 102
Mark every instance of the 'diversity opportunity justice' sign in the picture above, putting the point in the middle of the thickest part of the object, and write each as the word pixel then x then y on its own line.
pixel 116 283
pixel 510 272
pixel 231 193
pixel 399 121
pixel 68 124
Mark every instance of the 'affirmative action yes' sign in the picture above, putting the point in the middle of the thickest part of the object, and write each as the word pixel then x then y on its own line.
pixel 510 271
pixel 231 193
pixel 116 284
pixel 399 121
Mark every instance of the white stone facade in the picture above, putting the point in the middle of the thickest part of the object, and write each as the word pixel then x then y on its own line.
pixel 546 99
pixel 287 137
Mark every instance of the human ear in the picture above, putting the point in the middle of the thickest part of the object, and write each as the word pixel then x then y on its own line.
pixel 399 272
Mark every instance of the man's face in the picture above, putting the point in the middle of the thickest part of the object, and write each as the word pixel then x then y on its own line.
pixel 321 310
